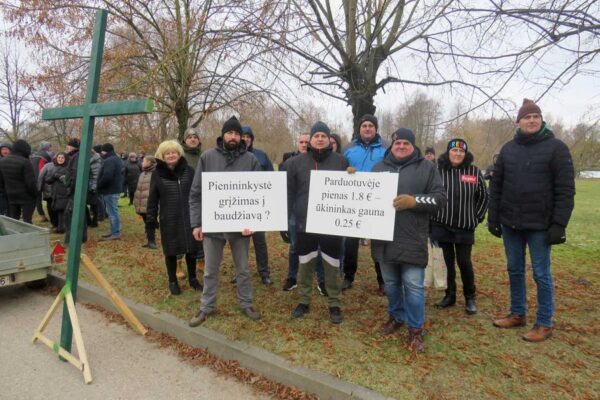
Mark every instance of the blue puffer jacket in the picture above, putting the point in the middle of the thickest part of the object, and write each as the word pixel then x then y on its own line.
pixel 362 156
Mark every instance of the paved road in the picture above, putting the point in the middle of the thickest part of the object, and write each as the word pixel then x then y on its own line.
pixel 123 364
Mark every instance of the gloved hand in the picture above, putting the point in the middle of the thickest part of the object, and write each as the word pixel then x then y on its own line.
pixel 63 179
pixel 285 236
pixel 495 229
pixel 404 202
pixel 351 170
pixel 556 234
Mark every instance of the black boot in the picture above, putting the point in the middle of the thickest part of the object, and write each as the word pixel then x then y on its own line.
pixel 470 305
pixel 174 288
pixel 448 300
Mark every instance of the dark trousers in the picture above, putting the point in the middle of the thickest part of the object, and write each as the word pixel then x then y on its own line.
pixel 351 261
pixel 52 213
pixel 60 221
pixel 171 264
pixel 15 211
pixel 460 254
pixel 38 205
pixel 68 217
pixel 262 256
pixel 131 194
pixel 150 231
pixel 3 204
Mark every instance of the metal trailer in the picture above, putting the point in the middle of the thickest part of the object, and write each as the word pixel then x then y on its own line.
pixel 24 253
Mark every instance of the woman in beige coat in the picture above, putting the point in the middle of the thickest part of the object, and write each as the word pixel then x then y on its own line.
pixel 140 200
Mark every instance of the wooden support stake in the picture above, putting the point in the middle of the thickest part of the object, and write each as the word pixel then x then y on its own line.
pixel 114 297
pixel 82 363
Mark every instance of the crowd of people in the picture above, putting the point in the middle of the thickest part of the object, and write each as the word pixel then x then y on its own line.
pixel 438 202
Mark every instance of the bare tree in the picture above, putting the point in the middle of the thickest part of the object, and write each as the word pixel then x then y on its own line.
pixel 14 94
pixel 185 54
pixel 423 115
pixel 350 50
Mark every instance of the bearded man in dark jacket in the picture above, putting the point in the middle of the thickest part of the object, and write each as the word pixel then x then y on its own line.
pixel 17 181
pixel 229 155
pixel 420 195
pixel 531 200
pixel 318 157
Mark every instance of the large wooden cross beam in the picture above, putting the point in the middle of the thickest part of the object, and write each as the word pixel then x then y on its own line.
pixel 88 112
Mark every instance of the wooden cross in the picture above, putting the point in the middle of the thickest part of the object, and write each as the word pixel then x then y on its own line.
pixel 88 112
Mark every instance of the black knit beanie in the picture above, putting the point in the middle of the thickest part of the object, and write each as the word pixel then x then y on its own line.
pixel 232 124
pixel 369 117
pixel 404 134
pixel 107 147
pixel 320 126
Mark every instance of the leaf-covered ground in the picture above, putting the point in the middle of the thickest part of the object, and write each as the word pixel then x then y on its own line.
pixel 465 357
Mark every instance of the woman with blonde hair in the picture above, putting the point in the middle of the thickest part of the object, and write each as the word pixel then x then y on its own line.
pixel 168 203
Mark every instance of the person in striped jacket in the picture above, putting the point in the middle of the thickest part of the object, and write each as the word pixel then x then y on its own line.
pixel 454 225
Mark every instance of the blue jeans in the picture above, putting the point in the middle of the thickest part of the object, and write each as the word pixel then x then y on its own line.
pixel 293 262
pixel 405 292
pixel 112 208
pixel 515 242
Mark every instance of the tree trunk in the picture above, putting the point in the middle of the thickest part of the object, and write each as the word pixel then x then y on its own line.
pixel 182 113
pixel 361 101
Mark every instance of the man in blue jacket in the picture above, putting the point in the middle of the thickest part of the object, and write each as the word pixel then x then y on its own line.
pixel 258 238
pixel 366 150
pixel 110 184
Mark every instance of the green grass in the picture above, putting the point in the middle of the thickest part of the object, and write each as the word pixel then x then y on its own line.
pixel 466 357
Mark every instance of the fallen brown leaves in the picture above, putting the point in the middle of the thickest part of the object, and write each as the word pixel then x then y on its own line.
pixel 200 357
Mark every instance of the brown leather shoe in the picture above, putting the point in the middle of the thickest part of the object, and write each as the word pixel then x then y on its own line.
pixel 251 313
pixel 415 340
pixel 511 321
pixel 538 333
pixel 198 319
pixel 390 327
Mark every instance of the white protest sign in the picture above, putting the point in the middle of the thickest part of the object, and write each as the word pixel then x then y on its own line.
pixel 355 205
pixel 234 201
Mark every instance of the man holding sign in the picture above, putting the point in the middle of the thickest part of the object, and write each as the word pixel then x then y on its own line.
pixel 229 155
pixel 318 157
pixel 403 260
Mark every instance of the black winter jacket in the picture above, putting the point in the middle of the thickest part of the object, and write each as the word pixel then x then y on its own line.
pixel 533 185
pixel 169 198
pixel 111 179
pixel 60 192
pixel 132 174
pixel 419 178
pixel 298 179
pixel 17 178
pixel 466 194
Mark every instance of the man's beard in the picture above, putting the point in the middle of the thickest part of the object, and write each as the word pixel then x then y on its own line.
pixel 231 145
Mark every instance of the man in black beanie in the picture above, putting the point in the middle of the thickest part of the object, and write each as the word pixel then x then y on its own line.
pixel 229 155
pixel 430 154
pixel 318 157
pixel 531 199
